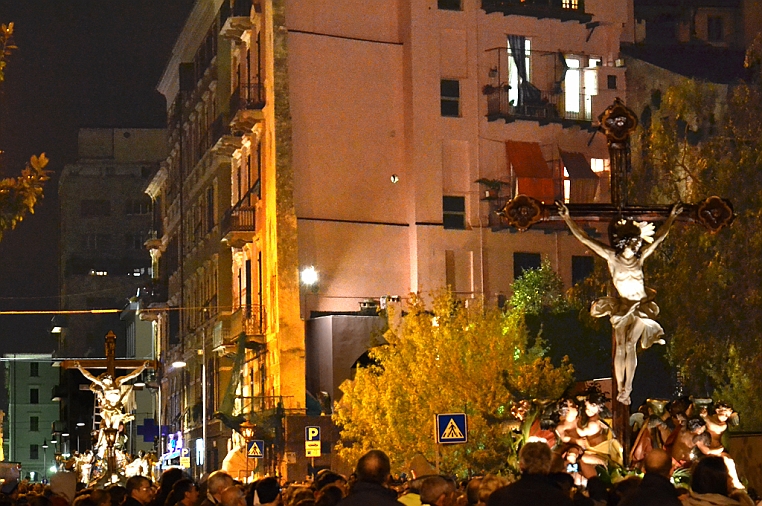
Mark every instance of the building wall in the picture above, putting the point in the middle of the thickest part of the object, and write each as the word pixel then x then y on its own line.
pixel 365 102
pixel 20 436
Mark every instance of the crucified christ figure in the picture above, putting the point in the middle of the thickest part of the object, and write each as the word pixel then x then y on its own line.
pixel 110 394
pixel 632 313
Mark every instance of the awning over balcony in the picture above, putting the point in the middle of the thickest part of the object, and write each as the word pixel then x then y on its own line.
pixel 583 182
pixel 529 170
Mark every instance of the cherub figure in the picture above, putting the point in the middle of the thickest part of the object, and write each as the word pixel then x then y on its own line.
pixel 633 311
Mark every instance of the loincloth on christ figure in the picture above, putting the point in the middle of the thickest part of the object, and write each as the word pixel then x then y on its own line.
pixel 640 319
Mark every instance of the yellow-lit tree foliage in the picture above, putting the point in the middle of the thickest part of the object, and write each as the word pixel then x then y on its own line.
pixel 452 358
pixel 18 195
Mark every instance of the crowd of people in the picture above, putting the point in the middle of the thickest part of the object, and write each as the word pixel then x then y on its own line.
pixel 372 484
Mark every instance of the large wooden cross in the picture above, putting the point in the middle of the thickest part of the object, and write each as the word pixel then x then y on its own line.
pixel 617 122
pixel 110 363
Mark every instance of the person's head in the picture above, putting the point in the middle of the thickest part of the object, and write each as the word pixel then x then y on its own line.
pixel 658 462
pixel 217 482
pixel 374 467
pixel 568 410
pixel 434 489
pixel 100 497
pixel 710 476
pixel 489 484
pixel 141 489
pixel 472 490
pixel 184 491
pixel 117 493
pixel 330 495
pixel 534 458
pixel 330 478
pixel 232 496
pixel 168 479
pixel 268 490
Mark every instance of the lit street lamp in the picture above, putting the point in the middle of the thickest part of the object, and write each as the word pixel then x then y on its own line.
pixel 247 431
pixel 44 460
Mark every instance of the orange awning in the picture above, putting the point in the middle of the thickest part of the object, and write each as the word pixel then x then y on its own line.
pixel 533 176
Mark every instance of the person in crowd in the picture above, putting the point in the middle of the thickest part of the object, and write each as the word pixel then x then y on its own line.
pixel 655 489
pixel 711 485
pixel 489 484
pixel 117 493
pixel 435 490
pixel 140 491
pixel 267 492
pixel 232 496
pixel 373 472
pixel 167 480
pixel 329 495
pixel 534 488
pixel 472 491
pixel 215 484
pixel 183 493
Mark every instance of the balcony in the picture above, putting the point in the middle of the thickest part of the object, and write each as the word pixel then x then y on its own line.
pixel 246 103
pixel 564 10
pixel 247 319
pixel 239 224
pixel 236 19
pixel 545 107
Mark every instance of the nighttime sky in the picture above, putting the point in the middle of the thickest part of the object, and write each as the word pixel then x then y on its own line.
pixel 80 63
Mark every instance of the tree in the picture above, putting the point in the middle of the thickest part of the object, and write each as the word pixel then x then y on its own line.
pixel 18 195
pixel 454 357
pixel 699 143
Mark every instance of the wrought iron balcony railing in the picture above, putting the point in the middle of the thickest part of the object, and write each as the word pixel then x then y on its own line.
pixel 548 108
pixel 241 218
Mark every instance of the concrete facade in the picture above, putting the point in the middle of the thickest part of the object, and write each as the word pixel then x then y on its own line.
pixel 29 380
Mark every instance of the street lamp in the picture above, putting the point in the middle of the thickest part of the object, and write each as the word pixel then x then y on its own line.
pixel 309 279
pixel 44 460
pixel 247 431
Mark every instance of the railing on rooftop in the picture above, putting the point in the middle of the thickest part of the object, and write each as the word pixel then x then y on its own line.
pixel 565 10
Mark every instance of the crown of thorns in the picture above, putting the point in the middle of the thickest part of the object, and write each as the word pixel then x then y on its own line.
pixel 622 231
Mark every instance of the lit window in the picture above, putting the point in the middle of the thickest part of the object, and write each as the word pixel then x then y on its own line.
pixel 514 77
pixel 600 165
pixel 450 92
pixel 94 272
pixel 570 4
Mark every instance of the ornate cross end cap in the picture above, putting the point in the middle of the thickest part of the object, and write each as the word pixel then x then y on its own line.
pixel 522 212
pixel 618 122
pixel 715 213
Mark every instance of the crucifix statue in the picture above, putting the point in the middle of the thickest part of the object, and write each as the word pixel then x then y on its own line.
pixel 110 391
pixel 632 309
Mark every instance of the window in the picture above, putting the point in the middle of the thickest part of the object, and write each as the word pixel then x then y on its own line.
pixel 209 209
pixel 525 261
pixel 611 82
pixel 450 91
pixel 570 4
pixel 34 452
pixel 92 208
pixel 135 207
pixel 96 241
pixel 34 396
pixel 449 5
pixel 582 267
pixel 600 164
pixel 516 75
pixel 580 86
pixel 454 213
pixel 34 369
pixel 34 423
pixel 714 29
pixel 136 240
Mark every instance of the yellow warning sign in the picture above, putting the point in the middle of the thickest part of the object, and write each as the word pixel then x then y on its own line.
pixel 452 431
pixel 254 450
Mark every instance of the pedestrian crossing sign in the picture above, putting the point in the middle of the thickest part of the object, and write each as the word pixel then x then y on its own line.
pixel 255 449
pixel 452 428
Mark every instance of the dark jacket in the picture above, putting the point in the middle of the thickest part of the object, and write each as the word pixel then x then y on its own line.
pixel 654 490
pixel 365 493
pixel 131 501
pixel 530 490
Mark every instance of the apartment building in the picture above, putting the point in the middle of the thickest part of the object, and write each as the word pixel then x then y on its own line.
pixel 372 145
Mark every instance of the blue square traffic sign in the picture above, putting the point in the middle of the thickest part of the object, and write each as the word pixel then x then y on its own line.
pixel 255 449
pixel 312 433
pixel 452 428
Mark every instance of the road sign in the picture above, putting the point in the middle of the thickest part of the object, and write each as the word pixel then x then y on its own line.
pixel 312 448
pixel 255 449
pixel 452 428
pixel 185 462
pixel 312 433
